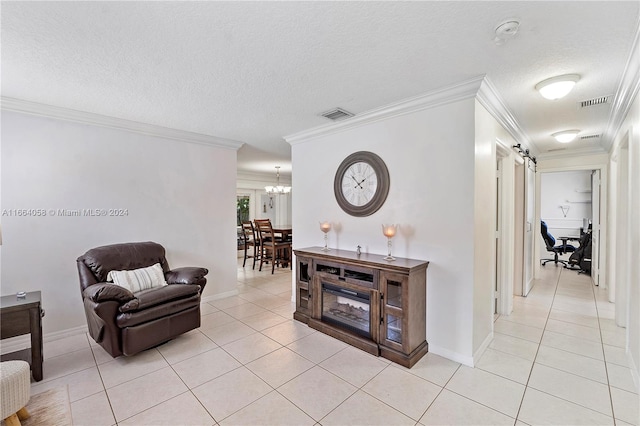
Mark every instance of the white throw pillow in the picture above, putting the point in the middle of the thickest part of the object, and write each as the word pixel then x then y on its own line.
pixel 139 279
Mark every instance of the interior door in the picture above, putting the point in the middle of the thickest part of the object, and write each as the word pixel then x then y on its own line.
pixel 530 227
pixel 519 231
pixel 595 226
pixel 498 263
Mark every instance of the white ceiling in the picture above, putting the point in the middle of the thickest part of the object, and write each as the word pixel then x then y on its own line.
pixel 257 71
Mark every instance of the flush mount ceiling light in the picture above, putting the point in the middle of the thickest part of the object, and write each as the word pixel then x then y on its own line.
pixel 566 136
pixel 557 87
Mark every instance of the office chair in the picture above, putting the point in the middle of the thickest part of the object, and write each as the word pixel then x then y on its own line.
pixel 550 242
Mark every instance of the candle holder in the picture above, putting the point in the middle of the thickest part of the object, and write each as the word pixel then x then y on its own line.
pixel 389 231
pixel 325 227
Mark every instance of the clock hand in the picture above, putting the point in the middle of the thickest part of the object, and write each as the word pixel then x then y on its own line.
pixel 357 183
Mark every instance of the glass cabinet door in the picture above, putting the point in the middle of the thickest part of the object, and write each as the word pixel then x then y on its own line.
pixel 393 325
pixel 303 286
pixel 394 293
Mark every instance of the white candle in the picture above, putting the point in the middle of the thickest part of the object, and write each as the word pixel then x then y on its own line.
pixel 389 231
pixel 325 227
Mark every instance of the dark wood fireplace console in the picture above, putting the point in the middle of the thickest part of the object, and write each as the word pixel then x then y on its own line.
pixel 376 305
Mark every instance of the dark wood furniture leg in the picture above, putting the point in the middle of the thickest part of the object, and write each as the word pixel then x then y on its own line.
pixel 21 316
pixel 36 343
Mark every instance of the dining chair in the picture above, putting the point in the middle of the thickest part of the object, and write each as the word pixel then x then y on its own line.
pixel 251 243
pixel 273 250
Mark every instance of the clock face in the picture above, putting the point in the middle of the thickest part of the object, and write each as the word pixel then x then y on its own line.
pixel 361 183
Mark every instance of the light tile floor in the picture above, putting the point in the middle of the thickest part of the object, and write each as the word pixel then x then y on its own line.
pixel 558 359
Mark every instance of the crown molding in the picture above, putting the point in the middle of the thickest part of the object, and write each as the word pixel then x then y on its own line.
pixel 490 99
pixel 50 111
pixel 269 177
pixel 579 152
pixel 625 95
pixel 453 93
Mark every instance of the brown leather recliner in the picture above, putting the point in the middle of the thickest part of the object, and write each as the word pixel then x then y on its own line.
pixel 125 323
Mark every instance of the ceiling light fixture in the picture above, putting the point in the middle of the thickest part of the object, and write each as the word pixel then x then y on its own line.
pixel 557 87
pixel 278 189
pixel 566 136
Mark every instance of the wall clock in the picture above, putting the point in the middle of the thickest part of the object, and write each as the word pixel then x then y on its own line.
pixel 361 184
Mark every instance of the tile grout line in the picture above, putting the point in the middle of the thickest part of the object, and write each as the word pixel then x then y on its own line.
pixel 104 387
pixel 526 386
pixel 189 390
pixel 604 355
pixel 571 402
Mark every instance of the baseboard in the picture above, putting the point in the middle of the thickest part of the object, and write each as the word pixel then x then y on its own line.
pixel 634 369
pixel 453 356
pixel 483 347
pixel 19 343
pixel 220 296
pixel 529 286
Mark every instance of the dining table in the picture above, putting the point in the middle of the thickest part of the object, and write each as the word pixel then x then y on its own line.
pixel 284 230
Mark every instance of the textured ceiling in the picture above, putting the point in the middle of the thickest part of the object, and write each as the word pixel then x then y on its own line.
pixel 257 71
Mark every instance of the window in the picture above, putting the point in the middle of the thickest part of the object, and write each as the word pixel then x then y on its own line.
pixel 242 208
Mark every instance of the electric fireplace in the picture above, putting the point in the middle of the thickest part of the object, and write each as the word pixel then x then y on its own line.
pixel 349 309
pixel 370 303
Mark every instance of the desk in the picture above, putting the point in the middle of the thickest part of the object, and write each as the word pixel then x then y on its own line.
pixel 22 316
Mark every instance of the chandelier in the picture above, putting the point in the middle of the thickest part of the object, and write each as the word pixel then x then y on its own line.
pixel 278 189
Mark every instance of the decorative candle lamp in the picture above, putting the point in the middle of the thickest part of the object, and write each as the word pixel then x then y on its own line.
pixel 389 231
pixel 325 227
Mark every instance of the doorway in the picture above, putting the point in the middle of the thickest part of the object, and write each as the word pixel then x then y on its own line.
pixel 569 205
pixel 566 201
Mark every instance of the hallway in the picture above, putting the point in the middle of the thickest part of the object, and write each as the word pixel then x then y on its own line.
pixel 562 343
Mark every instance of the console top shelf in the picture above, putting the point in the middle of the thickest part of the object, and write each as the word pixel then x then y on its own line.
pixel 373 260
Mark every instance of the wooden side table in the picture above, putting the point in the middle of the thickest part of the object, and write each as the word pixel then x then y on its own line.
pixel 20 316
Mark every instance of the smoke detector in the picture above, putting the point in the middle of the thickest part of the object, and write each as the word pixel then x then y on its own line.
pixel 505 31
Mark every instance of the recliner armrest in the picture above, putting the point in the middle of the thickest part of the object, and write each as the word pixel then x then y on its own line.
pixel 186 275
pixel 103 292
pixel 159 295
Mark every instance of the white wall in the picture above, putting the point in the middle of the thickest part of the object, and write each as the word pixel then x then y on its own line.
pixel 181 195
pixel 430 157
pixel 572 189
pixel 556 188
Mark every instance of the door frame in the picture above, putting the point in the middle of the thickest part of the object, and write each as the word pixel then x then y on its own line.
pixel 621 247
pixel 505 227
pixel 604 176
pixel 596 228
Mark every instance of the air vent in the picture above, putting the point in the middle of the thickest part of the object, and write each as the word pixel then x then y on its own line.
pixel 556 149
pixel 589 137
pixel 337 114
pixel 595 101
